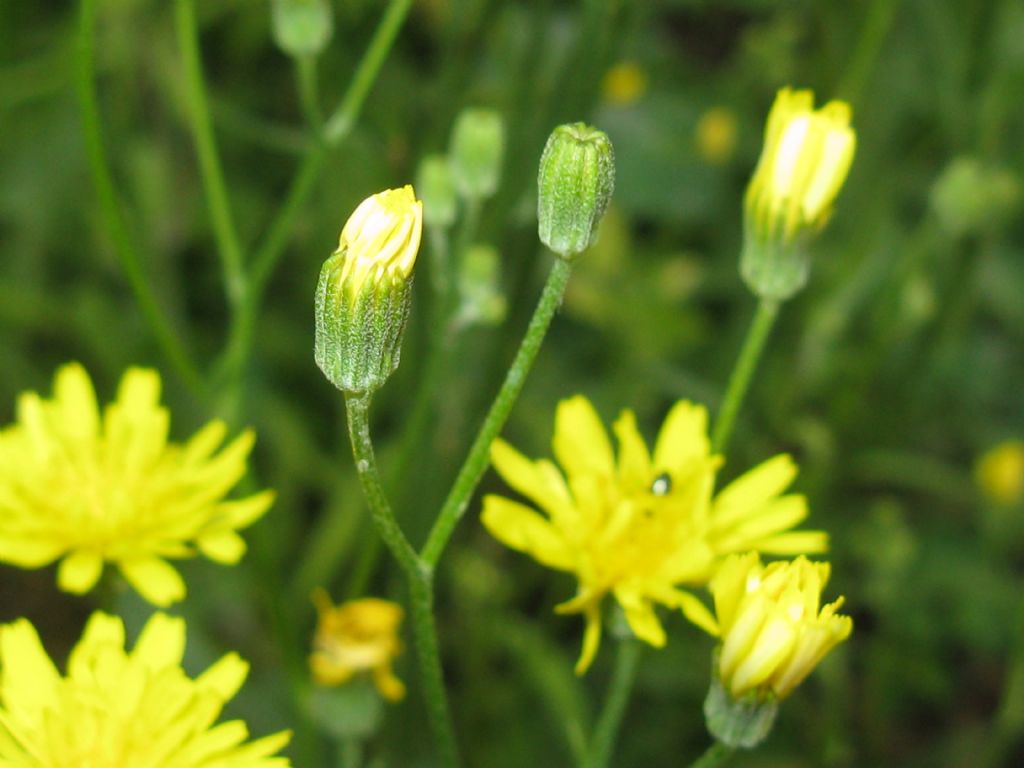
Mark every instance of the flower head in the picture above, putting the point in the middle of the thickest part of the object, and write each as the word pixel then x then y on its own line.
pixel 641 525
pixel 807 154
pixel 357 636
pixel 118 709
pixel 365 291
pixel 773 628
pixel 86 488
pixel 806 157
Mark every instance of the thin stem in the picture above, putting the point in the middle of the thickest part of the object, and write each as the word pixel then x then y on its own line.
pixel 419 576
pixel 714 756
pixel 110 206
pixel 739 380
pixel 424 629
pixel 602 741
pixel 476 461
pixel 228 244
pixel 345 116
pixel 309 92
pixel 357 406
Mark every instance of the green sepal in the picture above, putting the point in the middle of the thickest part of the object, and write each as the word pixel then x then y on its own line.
pixel 741 723
pixel 358 338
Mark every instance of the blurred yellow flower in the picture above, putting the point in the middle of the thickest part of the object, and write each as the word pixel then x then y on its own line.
pixel 773 628
pixel 716 135
pixel 115 709
pixel 88 489
pixel 643 525
pixel 806 157
pixel 1000 473
pixel 624 83
pixel 357 636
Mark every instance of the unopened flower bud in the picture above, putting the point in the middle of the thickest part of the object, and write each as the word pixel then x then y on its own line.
pixel 575 185
pixel 365 289
pixel 476 153
pixel 806 157
pixel 437 191
pixel 480 296
pixel 302 27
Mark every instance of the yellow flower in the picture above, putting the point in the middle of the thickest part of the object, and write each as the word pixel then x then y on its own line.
pixel 1000 473
pixel 380 240
pixel 88 489
pixel 807 154
pixel 357 636
pixel 716 135
pixel 624 83
pixel 643 525
pixel 122 710
pixel 773 628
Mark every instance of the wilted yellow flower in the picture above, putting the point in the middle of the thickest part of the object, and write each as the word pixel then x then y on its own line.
pixel 115 709
pixel 642 526
pixel 773 627
pixel 357 636
pixel 624 83
pixel 807 154
pixel 88 489
pixel 380 240
pixel 716 134
pixel 1000 473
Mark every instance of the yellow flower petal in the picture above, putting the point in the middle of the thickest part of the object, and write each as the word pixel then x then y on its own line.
pixel 154 579
pixel 520 528
pixel 538 483
pixel 683 438
pixel 634 459
pixel 225 677
pixel 225 547
pixel 591 638
pixel 79 572
pixel 79 414
pixel 581 444
pixel 753 489
pixel 161 642
pixel 641 617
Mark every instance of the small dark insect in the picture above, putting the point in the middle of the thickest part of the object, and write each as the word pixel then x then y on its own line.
pixel 662 485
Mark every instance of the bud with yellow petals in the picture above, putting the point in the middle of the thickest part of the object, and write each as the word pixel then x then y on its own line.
pixel 774 631
pixel 365 289
pixel 806 157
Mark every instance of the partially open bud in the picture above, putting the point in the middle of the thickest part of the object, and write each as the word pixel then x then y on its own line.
pixel 476 153
pixel 302 27
pixel 574 187
pixel 365 289
pixel 774 631
pixel 806 157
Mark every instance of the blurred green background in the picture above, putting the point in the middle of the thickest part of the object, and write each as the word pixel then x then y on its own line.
pixel 887 378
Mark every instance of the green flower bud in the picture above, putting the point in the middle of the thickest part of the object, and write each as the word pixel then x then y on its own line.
pixel 741 723
pixel 302 27
pixel 477 148
pixel 437 191
pixel 365 289
pixel 481 300
pixel 575 185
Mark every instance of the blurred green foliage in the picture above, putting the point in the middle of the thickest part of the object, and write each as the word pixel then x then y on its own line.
pixel 897 367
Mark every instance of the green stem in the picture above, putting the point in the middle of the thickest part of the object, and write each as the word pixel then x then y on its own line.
pixel 214 186
pixel 424 630
pixel 714 756
pixel 419 576
pixel 309 92
pixel 476 461
pixel 110 207
pixel 605 733
pixel 1008 724
pixel 357 407
pixel 341 122
pixel 739 380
